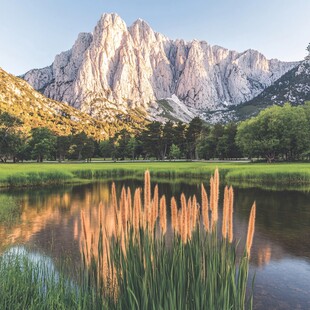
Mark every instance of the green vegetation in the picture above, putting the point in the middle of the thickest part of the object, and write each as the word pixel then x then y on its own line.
pixel 34 284
pixel 202 274
pixel 137 266
pixel 10 210
pixel 277 132
pixel 280 174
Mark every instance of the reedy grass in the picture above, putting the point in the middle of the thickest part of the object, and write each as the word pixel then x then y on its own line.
pixel 141 264
pixel 28 284
pixel 190 268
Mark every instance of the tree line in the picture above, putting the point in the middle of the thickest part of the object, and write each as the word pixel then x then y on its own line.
pixel 277 133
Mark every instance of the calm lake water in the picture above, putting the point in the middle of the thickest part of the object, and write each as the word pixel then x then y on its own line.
pixel 50 225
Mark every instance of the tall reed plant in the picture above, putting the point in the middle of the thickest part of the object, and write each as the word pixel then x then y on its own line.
pixel 144 263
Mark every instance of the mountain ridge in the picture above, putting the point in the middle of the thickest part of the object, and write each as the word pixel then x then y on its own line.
pixel 117 69
pixel 292 87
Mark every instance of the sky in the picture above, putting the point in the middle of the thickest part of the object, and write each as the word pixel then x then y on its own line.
pixel 32 32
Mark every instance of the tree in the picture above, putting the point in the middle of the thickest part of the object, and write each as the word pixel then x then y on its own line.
pixel 105 149
pixel 256 137
pixel 42 143
pixel 63 146
pixel 131 147
pixel 81 147
pixel 192 134
pixel 88 149
pixel 11 137
pixel 277 132
pixel 179 137
pixel 122 138
pixel 226 144
pixel 168 137
pixel 152 140
pixel 175 152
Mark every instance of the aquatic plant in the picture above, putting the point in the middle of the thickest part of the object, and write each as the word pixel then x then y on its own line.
pixel 145 261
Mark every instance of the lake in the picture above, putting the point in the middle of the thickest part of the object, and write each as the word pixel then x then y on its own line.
pixel 50 225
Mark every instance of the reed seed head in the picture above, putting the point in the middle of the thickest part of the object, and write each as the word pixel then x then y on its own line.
pixel 174 214
pixel 194 212
pixel 251 229
pixel 225 213
pixel 137 210
pixel 129 203
pixel 147 190
pixel 230 214
pixel 114 198
pixel 205 208
pixel 163 214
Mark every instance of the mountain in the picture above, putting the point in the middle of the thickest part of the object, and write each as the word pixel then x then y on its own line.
pixel 19 99
pixel 117 69
pixel 292 87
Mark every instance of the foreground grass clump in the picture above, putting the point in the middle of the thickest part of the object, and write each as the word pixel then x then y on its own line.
pixel 141 261
pixel 30 282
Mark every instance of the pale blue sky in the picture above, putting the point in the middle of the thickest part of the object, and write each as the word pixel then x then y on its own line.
pixel 32 32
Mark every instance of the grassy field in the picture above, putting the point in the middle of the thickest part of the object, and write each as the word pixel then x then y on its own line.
pixel 249 174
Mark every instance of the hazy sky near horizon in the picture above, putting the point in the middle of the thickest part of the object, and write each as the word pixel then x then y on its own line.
pixel 32 32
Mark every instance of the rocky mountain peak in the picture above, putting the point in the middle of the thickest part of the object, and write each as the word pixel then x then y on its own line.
pixel 110 20
pixel 117 69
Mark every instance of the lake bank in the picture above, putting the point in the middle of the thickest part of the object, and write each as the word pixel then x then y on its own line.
pixel 295 175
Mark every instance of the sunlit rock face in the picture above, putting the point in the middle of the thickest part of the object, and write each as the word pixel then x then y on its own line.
pixel 117 68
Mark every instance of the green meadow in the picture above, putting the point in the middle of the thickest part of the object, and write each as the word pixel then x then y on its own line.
pixel 295 175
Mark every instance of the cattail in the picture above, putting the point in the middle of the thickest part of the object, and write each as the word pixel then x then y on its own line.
pixel 163 214
pixel 189 218
pixel 147 191
pixel 114 207
pixel 204 208
pixel 225 212
pixel 114 198
pixel 182 216
pixel 129 203
pixel 179 219
pixel 137 209
pixel 155 206
pixel 183 226
pixel 123 208
pixel 211 193
pixel 215 194
pixel 183 201
pixel 230 214
pixel 216 186
pixel 194 212
pixel 251 229
pixel 174 214
pixel 118 228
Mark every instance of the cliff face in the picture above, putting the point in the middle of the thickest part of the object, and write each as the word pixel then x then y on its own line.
pixel 118 68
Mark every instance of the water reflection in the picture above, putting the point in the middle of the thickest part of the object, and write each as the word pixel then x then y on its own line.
pixel 50 223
